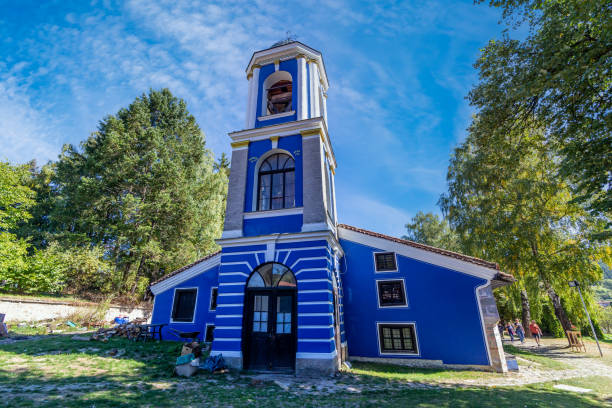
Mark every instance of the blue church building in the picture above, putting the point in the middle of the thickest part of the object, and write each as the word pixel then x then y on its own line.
pixel 293 290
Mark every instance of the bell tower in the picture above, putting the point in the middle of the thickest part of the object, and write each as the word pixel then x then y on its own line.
pixel 283 165
pixel 280 295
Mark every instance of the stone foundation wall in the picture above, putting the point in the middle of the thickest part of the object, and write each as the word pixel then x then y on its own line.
pixel 42 309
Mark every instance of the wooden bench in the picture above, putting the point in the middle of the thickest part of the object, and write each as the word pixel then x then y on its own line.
pixel 575 340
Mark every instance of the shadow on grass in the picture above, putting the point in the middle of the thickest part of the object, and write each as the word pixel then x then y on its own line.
pixel 118 394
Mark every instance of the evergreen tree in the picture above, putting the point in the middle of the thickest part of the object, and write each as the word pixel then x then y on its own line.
pixel 143 189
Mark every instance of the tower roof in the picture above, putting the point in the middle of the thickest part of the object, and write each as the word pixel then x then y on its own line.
pixel 288 50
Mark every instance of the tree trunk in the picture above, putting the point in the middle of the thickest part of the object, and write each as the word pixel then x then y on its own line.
pixel 526 310
pixel 552 294
pixel 559 311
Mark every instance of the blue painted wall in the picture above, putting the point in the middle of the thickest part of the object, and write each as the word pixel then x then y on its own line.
pixel 271 225
pixel 289 66
pixel 162 309
pixel 441 302
pixel 311 262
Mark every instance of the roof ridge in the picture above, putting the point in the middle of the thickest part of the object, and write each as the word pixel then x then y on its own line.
pixel 441 251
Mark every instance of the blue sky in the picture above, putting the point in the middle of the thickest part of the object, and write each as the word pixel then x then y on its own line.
pixel 399 73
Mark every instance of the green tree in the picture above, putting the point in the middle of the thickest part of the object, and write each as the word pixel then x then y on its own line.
pixel 560 73
pixel 429 229
pixel 15 200
pixel 508 204
pixel 143 189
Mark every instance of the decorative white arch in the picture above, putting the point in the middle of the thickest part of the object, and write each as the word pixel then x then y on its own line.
pixel 256 173
pixel 268 82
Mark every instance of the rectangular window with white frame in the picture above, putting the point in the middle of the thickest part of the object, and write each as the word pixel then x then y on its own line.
pixel 391 293
pixel 385 262
pixel 214 293
pixel 184 305
pixel 397 338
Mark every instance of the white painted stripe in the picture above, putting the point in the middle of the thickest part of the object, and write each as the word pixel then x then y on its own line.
pixel 314 258
pixel 313 280
pixel 315 291
pixel 323 356
pixel 242 253
pixel 228 327
pixel 229 305
pixel 286 257
pixel 232 283
pixel 315 340
pixel 312 314
pixel 233 273
pixel 237 263
pixel 228 316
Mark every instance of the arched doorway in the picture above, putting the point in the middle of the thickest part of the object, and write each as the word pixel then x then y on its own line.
pixel 270 318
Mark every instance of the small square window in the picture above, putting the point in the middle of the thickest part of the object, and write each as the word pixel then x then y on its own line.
pixel 214 292
pixel 183 308
pixel 210 333
pixel 391 293
pixel 397 338
pixel 385 262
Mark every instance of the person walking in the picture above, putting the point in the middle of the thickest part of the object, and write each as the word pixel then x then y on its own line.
pixel 536 332
pixel 520 331
pixel 510 330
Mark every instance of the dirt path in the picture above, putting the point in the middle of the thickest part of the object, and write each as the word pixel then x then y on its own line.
pixel 583 364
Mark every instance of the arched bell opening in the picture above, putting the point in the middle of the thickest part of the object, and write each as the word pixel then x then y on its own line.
pixel 270 318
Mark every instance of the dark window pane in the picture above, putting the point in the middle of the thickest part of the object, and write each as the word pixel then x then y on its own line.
pixel 290 189
pixel 397 338
pixel 184 305
pixel 210 330
pixel 385 261
pixel 260 314
pixel 213 298
pixel 391 293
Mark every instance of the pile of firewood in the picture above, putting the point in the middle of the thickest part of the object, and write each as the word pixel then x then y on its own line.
pixel 128 330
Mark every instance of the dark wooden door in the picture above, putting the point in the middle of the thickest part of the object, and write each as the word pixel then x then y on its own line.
pixel 270 340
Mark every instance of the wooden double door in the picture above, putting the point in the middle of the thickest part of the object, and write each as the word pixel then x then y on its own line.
pixel 270 329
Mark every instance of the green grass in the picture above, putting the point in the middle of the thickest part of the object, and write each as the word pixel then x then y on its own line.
pixel 542 361
pixel 57 371
pixel 387 372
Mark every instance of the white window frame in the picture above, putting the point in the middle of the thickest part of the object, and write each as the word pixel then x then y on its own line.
pixel 195 306
pixel 398 353
pixel 385 252
pixel 381 306
pixel 210 309
pixel 206 331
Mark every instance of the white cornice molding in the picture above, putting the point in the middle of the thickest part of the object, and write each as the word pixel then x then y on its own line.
pixel 185 275
pixel 273 213
pixel 286 129
pixel 422 255
pixel 287 52
pixel 284 237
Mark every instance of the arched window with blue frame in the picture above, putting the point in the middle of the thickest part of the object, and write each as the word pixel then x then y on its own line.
pixel 276 183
